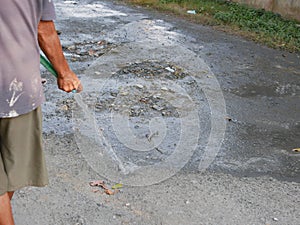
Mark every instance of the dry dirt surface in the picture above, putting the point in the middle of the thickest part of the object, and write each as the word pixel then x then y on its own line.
pixel 177 124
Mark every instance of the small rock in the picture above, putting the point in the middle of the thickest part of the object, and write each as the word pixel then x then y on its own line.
pixel 71 47
pixel 275 219
pixel 158 108
pixel 164 89
pixel 125 93
pixel 64 108
pixel 170 69
pixel 139 86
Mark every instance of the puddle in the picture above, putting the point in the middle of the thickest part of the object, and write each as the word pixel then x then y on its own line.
pixel 87 10
pixel 272 90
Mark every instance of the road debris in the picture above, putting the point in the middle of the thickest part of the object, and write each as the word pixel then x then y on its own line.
pixel 191 11
pixel 117 186
pixel 296 150
pixel 83 51
pixel 149 137
pixel 160 151
pixel 101 184
pixel 139 86
pixel 170 69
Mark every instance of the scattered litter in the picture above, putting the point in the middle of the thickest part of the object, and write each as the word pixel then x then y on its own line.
pixel 109 192
pixel 228 119
pixel 101 184
pixel 296 150
pixel 117 186
pixel 149 137
pixel 160 151
pixel 98 183
pixel 191 11
pixel 44 81
pixel 170 69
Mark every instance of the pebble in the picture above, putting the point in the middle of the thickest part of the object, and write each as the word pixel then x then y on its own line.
pixel 139 86
pixel 72 47
pixel 125 93
pixel 64 108
pixel 164 89
pixel 158 96
pixel 170 69
pixel 158 108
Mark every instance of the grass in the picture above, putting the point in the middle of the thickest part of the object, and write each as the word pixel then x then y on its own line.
pixel 257 24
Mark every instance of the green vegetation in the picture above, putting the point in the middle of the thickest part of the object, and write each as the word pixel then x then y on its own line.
pixel 259 25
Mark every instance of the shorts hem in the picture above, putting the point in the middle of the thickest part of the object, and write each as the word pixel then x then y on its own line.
pixel 18 187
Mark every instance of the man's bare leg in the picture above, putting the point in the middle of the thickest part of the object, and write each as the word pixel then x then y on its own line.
pixel 6 217
pixel 10 194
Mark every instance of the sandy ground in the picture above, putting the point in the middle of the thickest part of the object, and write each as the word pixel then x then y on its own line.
pixel 199 126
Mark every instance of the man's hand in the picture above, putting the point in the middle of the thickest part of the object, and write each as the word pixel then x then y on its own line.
pixel 50 45
pixel 69 82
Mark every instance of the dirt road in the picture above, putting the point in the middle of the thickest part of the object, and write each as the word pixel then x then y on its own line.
pixel 199 126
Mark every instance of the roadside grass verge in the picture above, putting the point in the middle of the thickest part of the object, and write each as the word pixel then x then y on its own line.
pixel 257 24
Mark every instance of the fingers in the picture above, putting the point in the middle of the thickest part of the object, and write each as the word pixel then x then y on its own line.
pixel 70 84
pixel 78 89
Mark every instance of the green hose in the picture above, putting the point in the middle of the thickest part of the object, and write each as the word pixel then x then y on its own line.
pixel 47 65
pixel 50 68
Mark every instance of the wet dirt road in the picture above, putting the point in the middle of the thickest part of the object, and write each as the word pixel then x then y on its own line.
pixel 198 125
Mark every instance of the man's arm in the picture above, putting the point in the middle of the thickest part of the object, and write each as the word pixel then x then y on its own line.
pixel 50 45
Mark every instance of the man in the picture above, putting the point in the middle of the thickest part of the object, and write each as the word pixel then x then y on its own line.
pixel 25 25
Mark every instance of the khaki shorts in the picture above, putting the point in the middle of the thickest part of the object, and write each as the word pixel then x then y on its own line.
pixel 22 161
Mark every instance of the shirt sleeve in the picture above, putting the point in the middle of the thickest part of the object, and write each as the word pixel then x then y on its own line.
pixel 48 11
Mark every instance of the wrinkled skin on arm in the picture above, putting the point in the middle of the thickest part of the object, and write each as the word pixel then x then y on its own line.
pixel 50 44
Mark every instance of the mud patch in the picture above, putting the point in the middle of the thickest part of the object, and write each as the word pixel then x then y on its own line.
pixel 142 97
pixel 87 50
